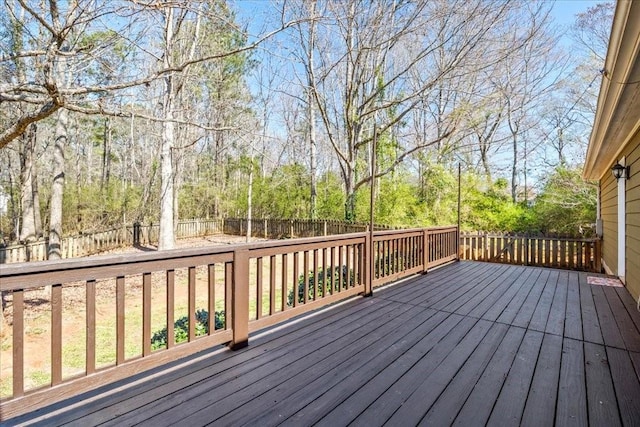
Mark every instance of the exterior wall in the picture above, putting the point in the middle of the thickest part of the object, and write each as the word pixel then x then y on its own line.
pixel 632 154
pixel 609 201
pixel 609 212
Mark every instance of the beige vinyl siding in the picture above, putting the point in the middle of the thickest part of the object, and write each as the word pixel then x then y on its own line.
pixel 632 154
pixel 609 212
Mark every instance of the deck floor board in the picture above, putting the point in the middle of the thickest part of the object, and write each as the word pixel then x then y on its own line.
pixel 468 344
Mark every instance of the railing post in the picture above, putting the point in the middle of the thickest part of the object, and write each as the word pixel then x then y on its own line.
pixel 240 299
pixel 598 255
pixel 136 233
pixel 368 264
pixel 425 250
pixel 485 242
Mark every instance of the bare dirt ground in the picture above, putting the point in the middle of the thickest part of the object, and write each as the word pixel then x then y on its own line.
pixel 37 337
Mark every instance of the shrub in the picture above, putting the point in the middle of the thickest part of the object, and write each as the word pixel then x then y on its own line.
pixel 388 263
pixel 181 328
pixel 326 282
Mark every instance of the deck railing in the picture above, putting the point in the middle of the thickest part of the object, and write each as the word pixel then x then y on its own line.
pixel 97 317
pixel 567 253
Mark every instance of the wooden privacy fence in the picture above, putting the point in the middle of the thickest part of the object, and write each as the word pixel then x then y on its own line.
pixel 129 308
pixel 567 253
pixel 273 228
pixel 101 241
pixel 147 234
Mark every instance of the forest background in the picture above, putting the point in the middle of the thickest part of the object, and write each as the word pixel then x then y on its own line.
pixel 121 111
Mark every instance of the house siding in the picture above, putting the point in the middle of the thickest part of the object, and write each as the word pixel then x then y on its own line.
pixel 609 214
pixel 632 154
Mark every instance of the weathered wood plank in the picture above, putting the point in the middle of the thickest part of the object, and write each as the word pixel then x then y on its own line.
pixel 610 332
pixel 555 322
pixel 222 388
pixel 540 407
pixel 307 393
pixel 626 383
pixel 630 305
pixel 475 410
pixel 571 408
pixel 245 398
pixel 510 404
pixel 483 298
pixel 429 387
pixel 313 403
pixel 541 314
pixel 523 317
pixel 391 398
pixel 528 287
pixel 573 316
pixel 505 297
pixel 445 408
pixel 590 323
pixel 628 331
pixel 358 402
pixel 601 398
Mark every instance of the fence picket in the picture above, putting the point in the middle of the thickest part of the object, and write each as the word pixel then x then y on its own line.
pixel 567 253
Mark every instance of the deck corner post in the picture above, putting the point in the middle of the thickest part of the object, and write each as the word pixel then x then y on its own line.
pixel 240 299
pixel 598 255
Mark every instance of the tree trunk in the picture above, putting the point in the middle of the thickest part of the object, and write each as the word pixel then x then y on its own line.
pixel 57 187
pixel 106 155
pixel 14 213
pixel 28 232
pixel 313 156
pixel 37 215
pixel 514 171
pixel 311 111
pixel 350 202
pixel 166 239
pixel 250 199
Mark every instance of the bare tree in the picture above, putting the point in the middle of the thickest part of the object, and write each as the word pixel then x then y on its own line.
pixel 43 90
pixel 376 62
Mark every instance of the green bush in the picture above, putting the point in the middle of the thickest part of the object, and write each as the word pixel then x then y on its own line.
pixel 326 282
pixel 181 328
pixel 387 264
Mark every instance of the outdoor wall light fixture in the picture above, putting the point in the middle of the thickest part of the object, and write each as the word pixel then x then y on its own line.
pixel 620 171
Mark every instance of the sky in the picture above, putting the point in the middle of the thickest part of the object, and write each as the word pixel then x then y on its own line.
pixel 564 11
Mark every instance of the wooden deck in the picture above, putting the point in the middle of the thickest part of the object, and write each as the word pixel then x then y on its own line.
pixel 468 344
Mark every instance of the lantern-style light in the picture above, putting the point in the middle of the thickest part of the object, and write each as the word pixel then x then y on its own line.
pixel 620 171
